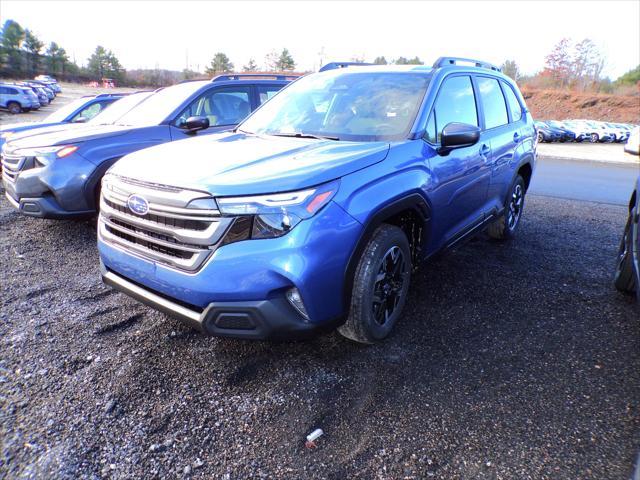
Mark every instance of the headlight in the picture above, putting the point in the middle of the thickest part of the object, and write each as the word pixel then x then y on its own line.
pixel 61 151
pixel 6 135
pixel 271 216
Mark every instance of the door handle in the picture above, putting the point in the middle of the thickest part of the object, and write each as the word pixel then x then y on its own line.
pixel 516 137
pixel 484 150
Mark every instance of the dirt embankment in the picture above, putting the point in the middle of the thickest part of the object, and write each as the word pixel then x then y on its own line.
pixel 561 105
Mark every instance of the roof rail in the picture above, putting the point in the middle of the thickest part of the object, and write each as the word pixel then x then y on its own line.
pixel 334 65
pixel 255 76
pixel 443 61
pixel 114 94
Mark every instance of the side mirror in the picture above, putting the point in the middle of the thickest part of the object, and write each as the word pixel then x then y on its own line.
pixel 193 124
pixel 458 135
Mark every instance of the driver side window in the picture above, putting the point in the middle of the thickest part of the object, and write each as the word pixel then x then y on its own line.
pixel 455 103
pixel 88 113
pixel 222 106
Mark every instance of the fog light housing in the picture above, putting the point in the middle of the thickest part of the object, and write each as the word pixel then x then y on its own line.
pixel 295 299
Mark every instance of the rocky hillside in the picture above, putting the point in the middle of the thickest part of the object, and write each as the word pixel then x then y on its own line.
pixel 560 105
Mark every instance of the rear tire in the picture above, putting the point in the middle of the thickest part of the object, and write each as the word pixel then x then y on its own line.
pixel 380 286
pixel 14 108
pixel 505 226
pixel 624 279
pixel 594 138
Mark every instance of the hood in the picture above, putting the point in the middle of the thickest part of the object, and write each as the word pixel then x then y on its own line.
pixel 14 126
pixel 65 133
pixel 239 164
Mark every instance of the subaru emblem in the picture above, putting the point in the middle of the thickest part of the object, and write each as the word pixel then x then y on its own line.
pixel 138 204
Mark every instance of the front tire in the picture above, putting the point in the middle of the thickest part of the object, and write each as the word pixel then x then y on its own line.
pixel 541 137
pixel 505 227
pixel 14 108
pixel 380 286
pixel 624 279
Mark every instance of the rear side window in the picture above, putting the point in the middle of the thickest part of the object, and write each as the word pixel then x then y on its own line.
pixel 493 104
pixel 512 101
pixel 455 103
pixel 3 90
pixel 265 92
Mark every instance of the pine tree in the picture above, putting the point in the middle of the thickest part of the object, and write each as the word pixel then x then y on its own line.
pixel 285 61
pixel 219 64
pixel 251 66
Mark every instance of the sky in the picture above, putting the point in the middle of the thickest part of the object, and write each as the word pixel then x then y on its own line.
pixel 174 34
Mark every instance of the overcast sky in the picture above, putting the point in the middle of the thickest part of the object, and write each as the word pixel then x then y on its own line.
pixel 166 34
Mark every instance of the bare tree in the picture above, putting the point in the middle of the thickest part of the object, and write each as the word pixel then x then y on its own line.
pixel 587 64
pixel 558 63
pixel 510 69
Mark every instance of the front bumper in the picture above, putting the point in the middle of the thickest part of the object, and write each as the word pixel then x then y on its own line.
pixel 249 279
pixel 56 190
pixel 261 319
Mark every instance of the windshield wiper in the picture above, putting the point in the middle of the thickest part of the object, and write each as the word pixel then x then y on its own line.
pixel 304 135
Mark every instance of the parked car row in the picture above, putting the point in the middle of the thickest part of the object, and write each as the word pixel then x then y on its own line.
pixel 251 207
pixel 17 97
pixel 582 130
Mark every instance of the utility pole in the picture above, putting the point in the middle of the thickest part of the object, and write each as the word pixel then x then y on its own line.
pixel 321 55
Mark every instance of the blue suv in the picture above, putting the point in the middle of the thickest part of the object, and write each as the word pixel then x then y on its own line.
pixel 313 213
pixel 18 99
pixel 57 175
pixel 78 111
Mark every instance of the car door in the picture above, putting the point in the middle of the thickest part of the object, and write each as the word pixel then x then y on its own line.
pixel 461 177
pixel 224 106
pixel 503 135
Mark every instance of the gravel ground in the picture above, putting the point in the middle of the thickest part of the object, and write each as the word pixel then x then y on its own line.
pixel 511 361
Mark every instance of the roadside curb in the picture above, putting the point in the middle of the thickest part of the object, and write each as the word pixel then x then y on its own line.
pixel 630 163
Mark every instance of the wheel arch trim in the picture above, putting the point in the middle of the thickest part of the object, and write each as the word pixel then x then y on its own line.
pixel 413 201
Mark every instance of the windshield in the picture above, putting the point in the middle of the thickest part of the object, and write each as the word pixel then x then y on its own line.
pixel 118 108
pixel 160 105
pixel 357 106
pixel 555 124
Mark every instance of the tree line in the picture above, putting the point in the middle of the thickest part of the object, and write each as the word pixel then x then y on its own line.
pixel 569 65
pixel 576 66
pixel 23 54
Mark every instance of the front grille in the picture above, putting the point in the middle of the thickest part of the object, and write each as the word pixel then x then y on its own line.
pixel 12 165
pixel 166 221
pixel 170 233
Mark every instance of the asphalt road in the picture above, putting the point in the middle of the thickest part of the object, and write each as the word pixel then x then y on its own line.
pixel 585 180
pixel 514 360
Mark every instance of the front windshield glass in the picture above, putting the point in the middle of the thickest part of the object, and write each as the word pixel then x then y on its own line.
pixel 118 108
pixel 63 112
pixel 356 106
pixel 157 108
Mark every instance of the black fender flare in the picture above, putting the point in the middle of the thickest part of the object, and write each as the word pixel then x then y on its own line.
pixel 93 182
pixel 414 201
pixel 527 160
